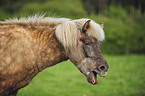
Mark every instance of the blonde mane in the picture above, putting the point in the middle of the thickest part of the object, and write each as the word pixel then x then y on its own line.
pixel 36 20
pixel 67 31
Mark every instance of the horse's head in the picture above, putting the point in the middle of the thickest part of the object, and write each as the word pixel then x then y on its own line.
pixel 86 55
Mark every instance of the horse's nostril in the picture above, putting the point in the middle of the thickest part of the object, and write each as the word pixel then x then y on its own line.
pixel 102 68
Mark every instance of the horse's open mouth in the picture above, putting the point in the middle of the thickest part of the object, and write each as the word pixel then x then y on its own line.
pixel 92 78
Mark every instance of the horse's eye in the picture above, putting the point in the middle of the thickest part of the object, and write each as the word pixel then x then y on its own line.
pixel 87 43
pixel 99 44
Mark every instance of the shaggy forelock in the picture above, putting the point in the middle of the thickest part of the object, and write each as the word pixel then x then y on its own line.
pixel 69 32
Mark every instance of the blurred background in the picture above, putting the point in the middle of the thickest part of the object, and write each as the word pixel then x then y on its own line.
pixel 124 20
pixel 123 47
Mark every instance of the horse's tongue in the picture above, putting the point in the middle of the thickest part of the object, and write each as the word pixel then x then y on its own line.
pixel 94 81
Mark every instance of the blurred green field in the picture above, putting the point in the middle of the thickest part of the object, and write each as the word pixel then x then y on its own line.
pixel 124 23
pixel 126 77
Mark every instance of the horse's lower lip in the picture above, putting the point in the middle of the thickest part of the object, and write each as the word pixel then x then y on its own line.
pixel 92 77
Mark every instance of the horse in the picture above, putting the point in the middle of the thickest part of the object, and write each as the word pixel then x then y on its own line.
pixel 29 45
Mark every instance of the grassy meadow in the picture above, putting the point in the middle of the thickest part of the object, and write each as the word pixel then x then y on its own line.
pixel 125 78
pixel 124 34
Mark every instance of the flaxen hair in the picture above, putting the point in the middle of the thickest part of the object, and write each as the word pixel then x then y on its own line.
pixel 67 31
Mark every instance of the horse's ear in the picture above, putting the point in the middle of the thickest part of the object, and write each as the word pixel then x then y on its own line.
pixel 86 26
pixel 102 25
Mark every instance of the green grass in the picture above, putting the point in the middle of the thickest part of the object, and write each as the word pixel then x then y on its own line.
pixel 126 77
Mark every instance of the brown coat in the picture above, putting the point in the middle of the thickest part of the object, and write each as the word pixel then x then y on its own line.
pixel 24 52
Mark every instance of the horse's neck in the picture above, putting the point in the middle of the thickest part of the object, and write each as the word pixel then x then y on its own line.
pixel 25 51
pixel 49 50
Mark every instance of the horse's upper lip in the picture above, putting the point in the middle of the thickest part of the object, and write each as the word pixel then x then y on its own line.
pixel 101 73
